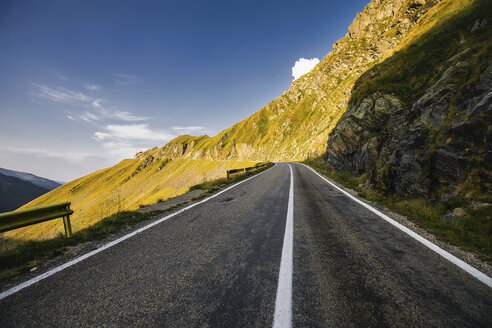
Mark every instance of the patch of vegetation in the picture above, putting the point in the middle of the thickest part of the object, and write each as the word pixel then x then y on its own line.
pixel 21 257
pixel 472 233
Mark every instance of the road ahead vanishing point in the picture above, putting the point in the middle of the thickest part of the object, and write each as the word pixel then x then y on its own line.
pixel 283 248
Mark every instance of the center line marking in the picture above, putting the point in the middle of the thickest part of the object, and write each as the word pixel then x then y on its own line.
pixel 283 303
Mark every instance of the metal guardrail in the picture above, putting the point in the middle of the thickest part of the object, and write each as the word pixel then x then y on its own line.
pixel 21 218
pixel 246 169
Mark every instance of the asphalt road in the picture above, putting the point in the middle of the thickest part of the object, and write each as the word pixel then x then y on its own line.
pixel 217 265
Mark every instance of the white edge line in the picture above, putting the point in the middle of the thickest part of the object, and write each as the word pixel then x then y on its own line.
pixel 283 301
pixel 51 272
pixel 448 256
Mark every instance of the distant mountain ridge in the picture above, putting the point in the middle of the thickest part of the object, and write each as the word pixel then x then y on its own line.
pixel 34 179
pixel 15 192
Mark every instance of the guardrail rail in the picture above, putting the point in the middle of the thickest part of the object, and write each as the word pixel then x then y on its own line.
pixel 246 169
pixel 21 218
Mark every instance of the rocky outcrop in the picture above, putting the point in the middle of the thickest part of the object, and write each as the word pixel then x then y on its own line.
pixel 437 145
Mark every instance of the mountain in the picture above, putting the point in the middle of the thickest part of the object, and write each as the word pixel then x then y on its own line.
pixel 15 192
pixel 296 125
pixel 402 100
pixel 34 179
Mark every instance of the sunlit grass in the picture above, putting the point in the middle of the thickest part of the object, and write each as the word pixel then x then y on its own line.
pixel 123 187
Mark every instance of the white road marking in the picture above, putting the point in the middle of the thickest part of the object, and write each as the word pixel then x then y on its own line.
pixel 45 275
pixel 448 256
pixel 283 303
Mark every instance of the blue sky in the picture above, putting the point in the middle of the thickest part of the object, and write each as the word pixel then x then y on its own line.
pixel 84 84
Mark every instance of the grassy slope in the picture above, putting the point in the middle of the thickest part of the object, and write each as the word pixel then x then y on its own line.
pixel 123 187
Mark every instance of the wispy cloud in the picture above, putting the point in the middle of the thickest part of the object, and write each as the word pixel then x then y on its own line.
pixel 126 79
pixel 119 150
pixel 191 129
pixel 88 116
pixel 133 132
pixel 69 156
pixel 62 95
pixel 120 133
pixel 82 106
pixel 126 140
pixel 126 116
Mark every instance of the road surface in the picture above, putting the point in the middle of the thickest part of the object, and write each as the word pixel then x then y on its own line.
pixel 217 265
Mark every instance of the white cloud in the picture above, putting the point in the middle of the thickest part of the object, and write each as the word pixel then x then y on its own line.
pixel 126 116
pixel 62 95
pixel 124 141
pixel 97 103
pixel 102 136
pixel 120 150
pixel 138 132
pixel 303 66
pixel 69 156
pixel 94 109
pixel 89 116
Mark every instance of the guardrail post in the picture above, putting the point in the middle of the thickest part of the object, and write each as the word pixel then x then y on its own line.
pixel 68 227
pixel 227 174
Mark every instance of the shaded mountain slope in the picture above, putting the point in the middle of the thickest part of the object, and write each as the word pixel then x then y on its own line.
pixel 34 179
pixel 15 192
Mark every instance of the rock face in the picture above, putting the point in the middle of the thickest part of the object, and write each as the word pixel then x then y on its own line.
pixel 441 143
pixel 296 125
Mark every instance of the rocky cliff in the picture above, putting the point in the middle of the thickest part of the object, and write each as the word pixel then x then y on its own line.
pixel 419 124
